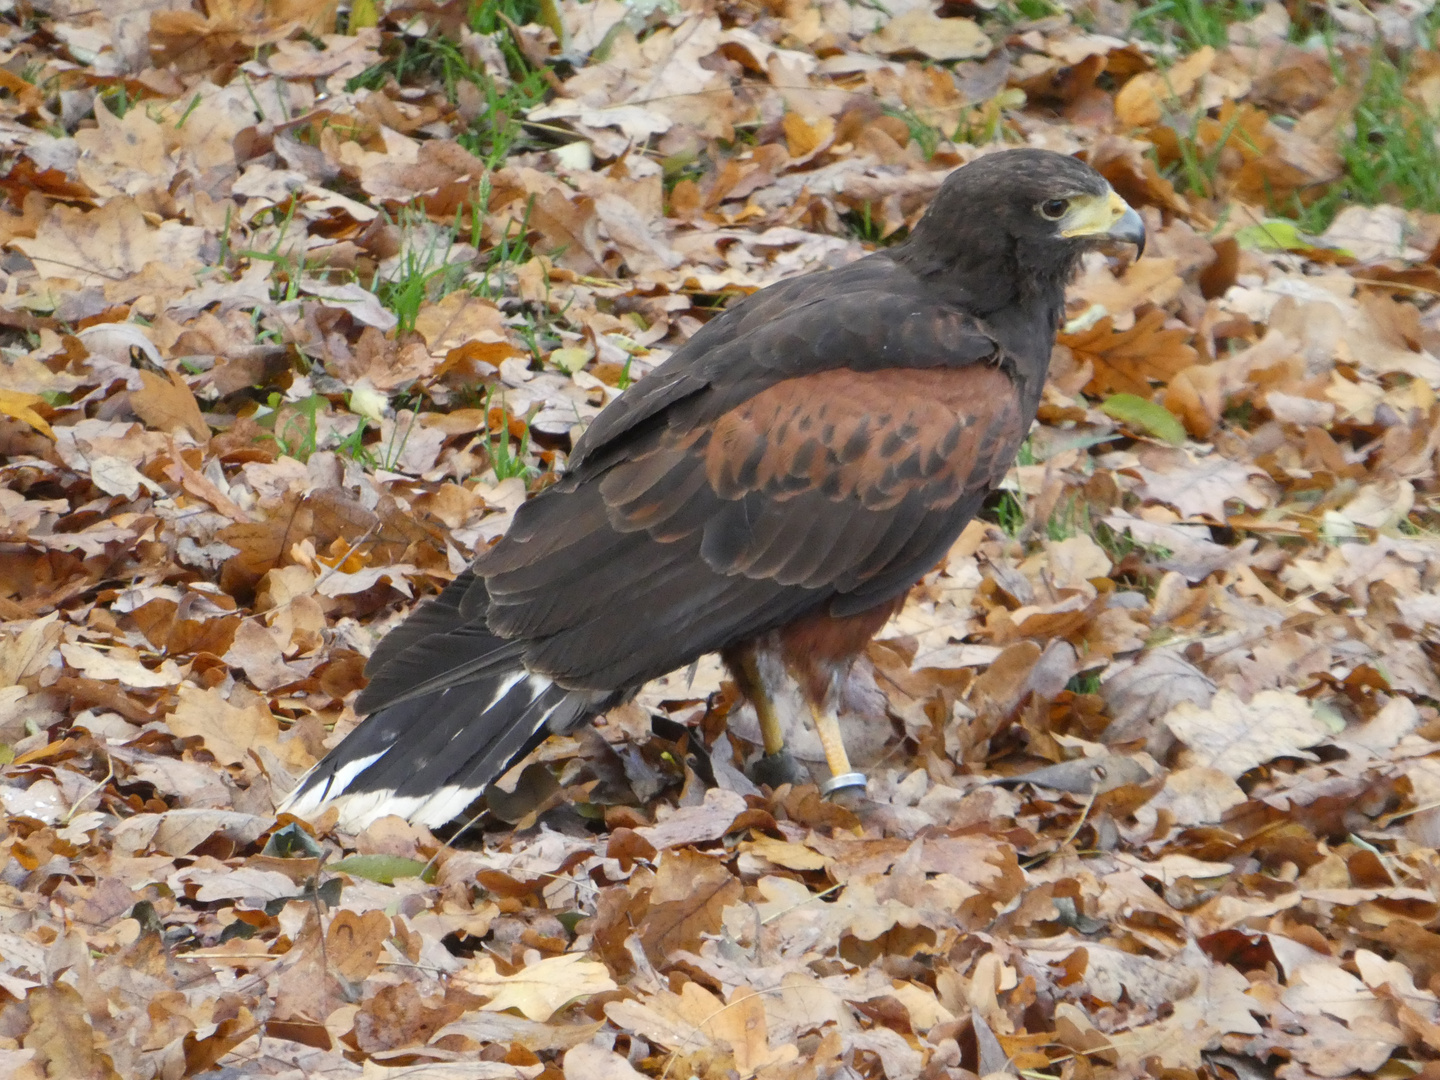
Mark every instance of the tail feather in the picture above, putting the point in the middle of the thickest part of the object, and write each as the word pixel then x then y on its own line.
pixel 429 756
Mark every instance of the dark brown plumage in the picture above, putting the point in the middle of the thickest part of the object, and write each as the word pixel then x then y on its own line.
pixel 773 489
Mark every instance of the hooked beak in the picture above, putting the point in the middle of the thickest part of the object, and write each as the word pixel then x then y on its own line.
pixel 1130 229
pixel 1109 217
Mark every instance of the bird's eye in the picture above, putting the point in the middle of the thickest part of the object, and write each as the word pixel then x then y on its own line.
pixel 1054 208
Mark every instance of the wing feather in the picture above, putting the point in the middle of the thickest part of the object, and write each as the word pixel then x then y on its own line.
pixel 821 443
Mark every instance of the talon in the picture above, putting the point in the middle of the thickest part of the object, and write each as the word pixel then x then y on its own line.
pixel 777 769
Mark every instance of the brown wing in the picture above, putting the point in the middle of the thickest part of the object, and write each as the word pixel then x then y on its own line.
pixel 873 436
pixel 839 487
pixel 816 447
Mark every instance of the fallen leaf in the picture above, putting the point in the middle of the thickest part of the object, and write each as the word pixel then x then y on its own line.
pixel 109 244
pixel 231 732
pixel 21 406
pixel 354 942
pixel 939 39
pixel 539 990
pixel 1233 736
pixel 1198 795
pixel 696 824
pixel 382 868
pixel 168 404
pixel 590 1062
pixel 61 1036
pixel 1128 361
pixel 1198 486
pixel 688 899
pixel 1144 416
pixel 120 665
pixel 1143 100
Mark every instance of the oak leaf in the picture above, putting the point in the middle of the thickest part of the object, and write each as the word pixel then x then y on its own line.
pixel 691 892
pixel 230 732
pixel 539 990
pixel 123 155
pixel 110 243
pixel 922 32
pixel 62 1036
pixel 168 404
pixel 1233 736
pixel 1127 361
pixel 1198 486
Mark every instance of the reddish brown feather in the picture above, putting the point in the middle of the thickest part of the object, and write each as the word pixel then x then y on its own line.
pixel 875 436
pixel 813 651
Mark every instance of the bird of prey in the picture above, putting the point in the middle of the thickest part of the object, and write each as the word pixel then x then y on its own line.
pixel 770 492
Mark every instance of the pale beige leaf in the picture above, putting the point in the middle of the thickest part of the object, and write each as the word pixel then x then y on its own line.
pixel 26 652
pixel 1198 796
pixel 696 824
pixel 1198 487
pixel 119 664
pixel 939 39
pixel 540 990
pixel 590 1062
pixel 230 732
pixel 123 156
pixel 1328 988
pixel 1233 736
pixel 109 243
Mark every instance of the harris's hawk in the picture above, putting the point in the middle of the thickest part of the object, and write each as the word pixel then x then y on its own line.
pixel 770 492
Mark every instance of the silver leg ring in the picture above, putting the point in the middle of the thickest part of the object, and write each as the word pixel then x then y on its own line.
pixel 843 782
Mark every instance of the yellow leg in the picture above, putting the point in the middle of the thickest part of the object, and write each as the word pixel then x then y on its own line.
pixel 775 766
pixel 827 726
pixel 747 674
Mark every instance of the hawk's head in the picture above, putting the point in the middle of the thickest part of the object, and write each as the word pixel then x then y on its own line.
pixel 1025 213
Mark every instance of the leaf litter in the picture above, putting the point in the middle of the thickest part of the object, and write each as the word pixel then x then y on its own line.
pixel 300 303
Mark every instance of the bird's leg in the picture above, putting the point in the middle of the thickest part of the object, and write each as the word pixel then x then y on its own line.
pixel 772 736
pixel 826 713
pixel 776 767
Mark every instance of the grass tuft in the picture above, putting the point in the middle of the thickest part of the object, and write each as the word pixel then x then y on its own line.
pixel 425 273
pixel 1390 152
pixel 496 131
pixel 1191 24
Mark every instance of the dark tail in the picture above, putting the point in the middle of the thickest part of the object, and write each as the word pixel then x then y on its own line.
pixel 428 756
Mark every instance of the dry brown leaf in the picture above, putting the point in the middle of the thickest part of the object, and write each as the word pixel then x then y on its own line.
pixel 354 942
pixel 690 895
pixel 168 404
pixel 1233 736
pixel 109 244
pixel 1143 100
pixel 61 1035
pixel 539 990
pixel 1126 361
pixel 231 732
